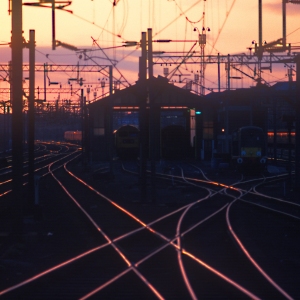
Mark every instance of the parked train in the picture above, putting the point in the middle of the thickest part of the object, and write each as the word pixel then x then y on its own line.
pixel 127 141
pixel 248 148
pixel 73 136
pixel 174 142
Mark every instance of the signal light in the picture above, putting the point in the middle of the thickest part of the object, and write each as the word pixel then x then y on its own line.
pixel 198 112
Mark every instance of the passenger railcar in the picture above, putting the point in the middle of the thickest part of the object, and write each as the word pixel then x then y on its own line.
pixel 174 142
pixel 73 136
pixel 248 149
pixel 127 141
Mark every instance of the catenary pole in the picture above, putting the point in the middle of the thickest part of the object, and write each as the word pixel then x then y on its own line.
pixel 297 154
pixel 152 144
pixel 142 115
pixel 31 120
pixel 17 120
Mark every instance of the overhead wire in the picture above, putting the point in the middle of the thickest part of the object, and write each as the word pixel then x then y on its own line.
pixel 104 29
pixel 182 13
pixel 185 37
pixel 222 27
pixel 293 31
pixel 149 13
pixel 153 10
pixel 125 18
pixel 114 65
pixel 174 20
pixel 106 22
pixel 228 11
pixel 189 54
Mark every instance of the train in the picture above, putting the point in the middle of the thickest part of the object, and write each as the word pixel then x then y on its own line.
pixel 175 142
pixel 74 137
pixel 248 148
pixel 127 141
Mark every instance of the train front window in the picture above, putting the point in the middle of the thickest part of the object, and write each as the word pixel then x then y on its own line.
pixel 251 139
pixel 133 134
pixel 123 133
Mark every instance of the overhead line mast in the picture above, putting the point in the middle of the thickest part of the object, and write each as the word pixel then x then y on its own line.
pixel 279 45
pixel 202 43
pixel 51 4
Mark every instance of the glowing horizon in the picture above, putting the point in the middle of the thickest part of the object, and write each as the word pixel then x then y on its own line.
pixel 233 26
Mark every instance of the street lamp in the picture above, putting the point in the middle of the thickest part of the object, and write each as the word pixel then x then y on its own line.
pixel 202 35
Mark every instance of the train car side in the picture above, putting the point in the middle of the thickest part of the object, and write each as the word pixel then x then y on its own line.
pixel 127 141
pixel 73 136
pixel 174 142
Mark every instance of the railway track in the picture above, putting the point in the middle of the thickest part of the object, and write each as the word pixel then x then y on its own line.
pixel 191 250
pixel 43 157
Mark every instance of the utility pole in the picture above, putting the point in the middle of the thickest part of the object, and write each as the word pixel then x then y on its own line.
pixel 53 24
pixel 31 120
pixel 219 74
pixel 260 46
pixel 152 112
pixel 297 142
pixel 17 120
pixel 202 43
pixel 82 104
pixel 51 4
pixel 284 24
pixel 110 125
pixel 227 67
pixel 142 115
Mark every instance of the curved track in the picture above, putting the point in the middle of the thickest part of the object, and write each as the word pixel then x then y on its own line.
pixel 199 249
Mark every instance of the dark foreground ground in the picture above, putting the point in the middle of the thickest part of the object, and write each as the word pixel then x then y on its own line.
pixel 49 237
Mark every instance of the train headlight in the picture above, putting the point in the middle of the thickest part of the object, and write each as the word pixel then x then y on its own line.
pixel 263 161
pixel 243 153
pixel 239 160
pixel 258 153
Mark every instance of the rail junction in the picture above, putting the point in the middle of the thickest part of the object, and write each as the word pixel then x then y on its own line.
pixel 208 234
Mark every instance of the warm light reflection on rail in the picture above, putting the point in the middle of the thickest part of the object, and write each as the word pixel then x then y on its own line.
pixel 98 289
pixel 51 270
pixel 252 296
pixel 158 295
pixel 112 243
pixel 128 263
pixel 250 257
pixel 5 193
pixel 3 182
pixel 107 199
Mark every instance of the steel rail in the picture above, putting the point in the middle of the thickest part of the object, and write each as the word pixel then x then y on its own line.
pixel 148 227
pixel 172 243
pixel 246 252
pixel 251 259
pixel 38 169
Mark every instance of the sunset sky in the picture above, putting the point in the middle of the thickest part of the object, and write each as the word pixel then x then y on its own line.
pixel 233 26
